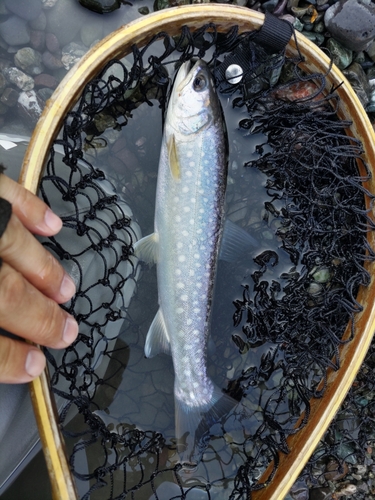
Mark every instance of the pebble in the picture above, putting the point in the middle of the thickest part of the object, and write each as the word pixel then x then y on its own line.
pixel 48 4
pixel 44 94
pixel 30 107
pixel 358 79
pixel 65 21
pixel 14 31
pixel 37 40
pixel 3 83
pixel 52 43
pixel 92 32
pixel 320 494
pixel 51 61
pixel 45 80
pixel 352 22
pixel 371 51
pixel 72 53
pixel 341 56
pixel 29 60
pixel 9 97
pixel 25 9
pixel 40 23
pixel 19 78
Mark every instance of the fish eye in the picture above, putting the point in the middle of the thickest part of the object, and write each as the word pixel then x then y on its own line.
pixel 200 83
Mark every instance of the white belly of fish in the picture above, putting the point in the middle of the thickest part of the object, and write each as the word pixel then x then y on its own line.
pixel 188 224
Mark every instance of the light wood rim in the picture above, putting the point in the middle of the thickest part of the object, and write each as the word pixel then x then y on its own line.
pixel 67 93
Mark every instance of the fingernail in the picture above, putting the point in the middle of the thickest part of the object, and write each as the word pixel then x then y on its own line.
pixel 52 221
pixel 70 330
pixel 35 363
pixel 67 288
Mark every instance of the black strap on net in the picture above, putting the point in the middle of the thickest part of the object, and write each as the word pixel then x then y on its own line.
pixel 276 342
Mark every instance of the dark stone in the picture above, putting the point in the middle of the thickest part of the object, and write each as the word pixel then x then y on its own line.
pixel 15 31
pixel 358 80
pixel 320 494
pixel 101 6
pixel 37 40
pixel 51 61
pixel 25 9
pixel 45 80
pixel 52 43
pixel 352 22
pixel 3 83
pixel 44 94
pixel 9 97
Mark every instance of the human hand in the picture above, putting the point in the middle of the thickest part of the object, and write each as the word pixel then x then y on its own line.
pixel 32 284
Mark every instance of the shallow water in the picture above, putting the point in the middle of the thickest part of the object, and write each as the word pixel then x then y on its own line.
pixel 141 396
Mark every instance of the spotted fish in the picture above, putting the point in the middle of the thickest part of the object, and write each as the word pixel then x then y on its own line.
pixel 185 244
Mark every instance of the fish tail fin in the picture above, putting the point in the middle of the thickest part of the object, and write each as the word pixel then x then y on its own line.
pixel 193 425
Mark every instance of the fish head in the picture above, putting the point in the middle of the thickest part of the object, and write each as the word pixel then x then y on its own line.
pixel 194 104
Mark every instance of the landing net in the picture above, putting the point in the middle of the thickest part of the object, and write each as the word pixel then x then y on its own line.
pixel 279 313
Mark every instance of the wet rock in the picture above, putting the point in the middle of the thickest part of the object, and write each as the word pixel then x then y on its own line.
pixel 44 94
pixel 317 38
pixel 3 83
pixel 341 56
pixel 39 23
pixel 25 9
pixel 299 491
pixel 352 22
pixel 46 80
pixel 48 4
pixel 358 79
pixel 371 51
pixel 19 78
pixel 52 43
pixel 51 61
pixel 101 6
pixel 14 31
pixel 320 494
pixel 371 106
pixel 65 21
pixel 3 110
pixel 9 97
pixel 72 53
pixel 144 11
pixel 30 107
pixel 29 60
pixel 37 40
pixel 92 31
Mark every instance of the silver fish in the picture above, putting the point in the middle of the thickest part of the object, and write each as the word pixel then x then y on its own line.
pixel 185 245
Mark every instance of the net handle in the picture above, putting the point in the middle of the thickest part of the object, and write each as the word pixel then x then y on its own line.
pixel 117 45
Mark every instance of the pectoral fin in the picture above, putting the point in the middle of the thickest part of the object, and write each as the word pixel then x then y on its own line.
pixel 146 248
pixel 174 163
pixel 157 339
pixel 235 242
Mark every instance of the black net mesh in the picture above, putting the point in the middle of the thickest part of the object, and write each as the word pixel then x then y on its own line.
pixel 279 313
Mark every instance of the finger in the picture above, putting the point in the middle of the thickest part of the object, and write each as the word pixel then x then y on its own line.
pixel 32 212
pixel 19 362
pixel 20 249
pixel 26 312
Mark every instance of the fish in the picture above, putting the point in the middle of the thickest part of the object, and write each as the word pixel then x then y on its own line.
pixel 185 245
